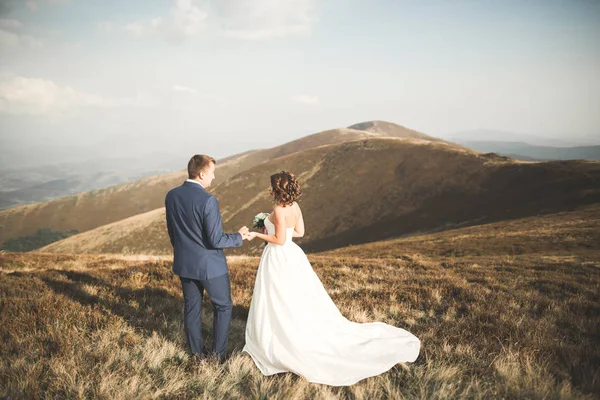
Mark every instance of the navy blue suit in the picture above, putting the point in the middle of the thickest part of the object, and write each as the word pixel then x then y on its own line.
pixel 196 232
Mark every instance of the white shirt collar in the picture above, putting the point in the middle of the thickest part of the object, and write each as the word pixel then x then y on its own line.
pixel 196 182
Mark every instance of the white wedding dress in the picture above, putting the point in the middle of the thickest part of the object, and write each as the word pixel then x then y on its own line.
pixel 294 326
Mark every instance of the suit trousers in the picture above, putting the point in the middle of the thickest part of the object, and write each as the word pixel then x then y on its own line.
pixel 219 291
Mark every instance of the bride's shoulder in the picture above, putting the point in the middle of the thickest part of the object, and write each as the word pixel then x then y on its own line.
pixel 278 210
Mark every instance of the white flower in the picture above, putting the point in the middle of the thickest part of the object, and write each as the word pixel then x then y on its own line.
pixel 259 220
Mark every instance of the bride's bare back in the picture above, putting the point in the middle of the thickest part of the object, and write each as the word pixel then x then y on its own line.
pixel 288 217
pixel 284 218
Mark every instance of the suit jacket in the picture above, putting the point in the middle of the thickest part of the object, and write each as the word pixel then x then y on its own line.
pixel 196 232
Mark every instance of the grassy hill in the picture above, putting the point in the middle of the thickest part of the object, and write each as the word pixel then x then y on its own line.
pixel 563 234
pixel 388 129
pixel 373 189
pixel 493 322
pixel 90 210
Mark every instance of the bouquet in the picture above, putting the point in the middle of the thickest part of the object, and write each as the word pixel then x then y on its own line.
pixel 259 220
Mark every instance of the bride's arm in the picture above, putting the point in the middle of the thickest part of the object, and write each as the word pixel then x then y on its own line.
pixel 299 227
pixel 280 231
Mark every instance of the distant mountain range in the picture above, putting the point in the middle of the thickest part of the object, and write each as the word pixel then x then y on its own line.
pixel 494 135
pixel 39 184
pixel 528 152
pixel 527 147
pixel 47 182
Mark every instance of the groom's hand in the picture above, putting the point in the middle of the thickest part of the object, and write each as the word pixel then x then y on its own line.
pixel 244 232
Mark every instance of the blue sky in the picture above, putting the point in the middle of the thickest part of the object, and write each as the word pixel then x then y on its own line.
pixel 108 78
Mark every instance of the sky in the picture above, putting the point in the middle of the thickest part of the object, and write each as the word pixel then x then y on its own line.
pixel 113 78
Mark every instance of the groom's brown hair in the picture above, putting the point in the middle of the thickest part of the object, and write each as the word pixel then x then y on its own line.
pixel 197 163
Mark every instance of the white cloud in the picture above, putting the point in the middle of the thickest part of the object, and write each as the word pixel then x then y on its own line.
pixel 185 89
pixel 156 22
pixel 137 29
pixel 240 19
pixel 38 96
pixel 15 40
pixel 306 99
pixel 34 96
pixel 196 97
pixel 185 20
pixel 262 19
pixel 106 26
pixel 140 100
pixel 11 37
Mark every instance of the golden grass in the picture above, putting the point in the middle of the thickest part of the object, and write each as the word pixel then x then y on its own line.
pixel 555 236
pixel 523 326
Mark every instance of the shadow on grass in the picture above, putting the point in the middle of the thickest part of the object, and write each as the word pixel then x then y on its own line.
pixel 145 309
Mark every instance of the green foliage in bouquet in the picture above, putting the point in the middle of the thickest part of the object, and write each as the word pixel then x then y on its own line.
pixel 259 220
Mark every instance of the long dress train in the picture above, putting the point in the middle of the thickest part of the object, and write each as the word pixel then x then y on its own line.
pixel 293 325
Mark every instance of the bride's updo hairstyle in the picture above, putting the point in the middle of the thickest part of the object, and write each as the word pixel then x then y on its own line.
pixel 285 188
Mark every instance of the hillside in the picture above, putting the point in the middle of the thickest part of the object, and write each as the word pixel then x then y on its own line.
pixel 562 234
pixel 393 130
pixel 369 190
pixel 89 210
pixel 494 322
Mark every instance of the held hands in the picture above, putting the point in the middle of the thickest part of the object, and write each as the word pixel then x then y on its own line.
pixel 251 235
pixel 246 234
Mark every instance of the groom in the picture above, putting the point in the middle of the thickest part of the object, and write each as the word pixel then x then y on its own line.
pixel 196 233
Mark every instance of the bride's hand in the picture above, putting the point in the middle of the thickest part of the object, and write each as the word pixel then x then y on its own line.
pixel 251 235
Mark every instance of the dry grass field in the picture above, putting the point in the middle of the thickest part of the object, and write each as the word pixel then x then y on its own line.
pixel 494 322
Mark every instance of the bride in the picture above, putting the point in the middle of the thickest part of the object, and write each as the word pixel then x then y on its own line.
pixel 294 326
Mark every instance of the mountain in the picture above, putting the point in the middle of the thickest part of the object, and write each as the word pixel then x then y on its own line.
pixel 493 135
pixel 372 189
pixel 89 210
pixel 19 186
pixel 56 188
pixel 382 128
pixel 528 152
